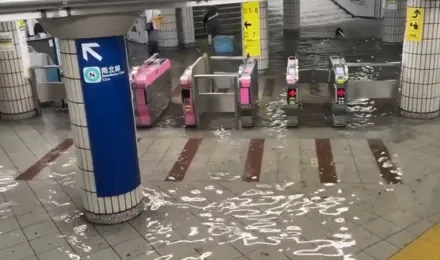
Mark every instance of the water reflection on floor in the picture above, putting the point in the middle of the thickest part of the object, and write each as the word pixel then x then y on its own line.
pixel 262 217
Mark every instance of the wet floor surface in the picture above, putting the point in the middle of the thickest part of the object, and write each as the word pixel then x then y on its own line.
pixel 259 194
pixel 364 192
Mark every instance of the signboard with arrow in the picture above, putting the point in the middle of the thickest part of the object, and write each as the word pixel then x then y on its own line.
pixel 251 28
pixel 415 21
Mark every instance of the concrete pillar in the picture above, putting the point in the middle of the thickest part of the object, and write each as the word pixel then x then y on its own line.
pixel 291 14
pixel 186 17
pixel 263 59
pixel 96 76
pixel 394 21
pixel 167 35
pixel 420 93
pixel 16 98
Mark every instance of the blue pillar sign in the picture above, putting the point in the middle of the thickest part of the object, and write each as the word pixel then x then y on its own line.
pixel 109 114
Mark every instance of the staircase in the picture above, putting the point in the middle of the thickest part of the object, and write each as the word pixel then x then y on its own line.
pixel 313 13
pixel 322 12
pixel 229 16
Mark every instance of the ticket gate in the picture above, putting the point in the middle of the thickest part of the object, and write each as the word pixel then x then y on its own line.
pixel 292 106
pixel 341 87
pixel 207 91
pixel 338 83
pixel 152 90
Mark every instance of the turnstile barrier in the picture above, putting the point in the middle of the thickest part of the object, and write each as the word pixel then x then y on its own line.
pixel 341 87
pixel 338 83
pixel 207 91
pixel 152 90
pixel 292 107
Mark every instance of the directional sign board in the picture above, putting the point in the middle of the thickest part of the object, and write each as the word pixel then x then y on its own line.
pixel 109 114
pixel 415 22
pixel 251 28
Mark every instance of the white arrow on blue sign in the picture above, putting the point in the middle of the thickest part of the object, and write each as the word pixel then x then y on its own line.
pixel 87 48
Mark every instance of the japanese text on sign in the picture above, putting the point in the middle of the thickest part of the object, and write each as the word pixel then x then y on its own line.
pixel 415 21
pixel 251 28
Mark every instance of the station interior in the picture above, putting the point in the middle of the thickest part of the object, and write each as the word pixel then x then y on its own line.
pixel 219 129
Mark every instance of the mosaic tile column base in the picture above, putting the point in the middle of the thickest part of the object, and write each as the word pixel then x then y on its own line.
pixel 186 20
pixel 420 92
pixel 167 34
pixel 16 97
pixel 394 21
pixel 98 209
pixel 291 14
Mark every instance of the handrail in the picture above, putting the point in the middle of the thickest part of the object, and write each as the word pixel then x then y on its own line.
pixel 8 7
pixel 374 64
pixel 222 75
pixel 227 57
pixel 45 67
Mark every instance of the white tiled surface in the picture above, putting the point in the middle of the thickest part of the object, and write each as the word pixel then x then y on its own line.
pixel 394 22
pixel 420 71
pixel 263 60
pixel 86 179
pixel 16 99
pixel 187 22
pixel 381 219
pixel 168 37
pixel 291 14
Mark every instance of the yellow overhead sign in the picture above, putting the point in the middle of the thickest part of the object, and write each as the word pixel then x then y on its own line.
pixel 22 25
pixel 251 28
pixel 415 21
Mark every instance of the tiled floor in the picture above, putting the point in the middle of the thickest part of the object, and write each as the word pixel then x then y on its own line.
pixel 227 206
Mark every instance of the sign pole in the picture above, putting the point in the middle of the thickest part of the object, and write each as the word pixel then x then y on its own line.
pixel 100 103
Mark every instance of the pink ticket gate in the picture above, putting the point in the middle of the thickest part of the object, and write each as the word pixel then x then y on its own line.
pixel 200 94
pixel 152 90
pixel 292 107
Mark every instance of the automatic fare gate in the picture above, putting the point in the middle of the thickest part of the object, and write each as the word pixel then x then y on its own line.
pixel 340 86
pixel 204 90
pixel 151 83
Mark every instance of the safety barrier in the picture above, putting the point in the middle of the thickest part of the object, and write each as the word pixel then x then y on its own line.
pixel 207 91
pixel 152 87
pixel 340 86
pixel 44 91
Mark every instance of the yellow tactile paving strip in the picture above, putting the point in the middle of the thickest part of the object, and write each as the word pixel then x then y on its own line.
pixel 425 247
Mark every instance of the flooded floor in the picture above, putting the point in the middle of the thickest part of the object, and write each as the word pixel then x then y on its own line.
pixel 366 192
pixel 313 46
pixel 248 195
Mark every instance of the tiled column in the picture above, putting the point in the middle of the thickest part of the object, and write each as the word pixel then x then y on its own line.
pixel 167 36
pixel 187 22
pixel 420 94
pixel 263 60
pixel 16 99
pixel 291 14
pixel 394 21
pixel 104 131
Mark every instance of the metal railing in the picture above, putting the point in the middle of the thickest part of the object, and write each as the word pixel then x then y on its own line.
pixel 199 80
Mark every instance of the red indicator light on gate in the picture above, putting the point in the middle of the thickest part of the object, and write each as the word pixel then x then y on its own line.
pixel 292 92
pixel 341 92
